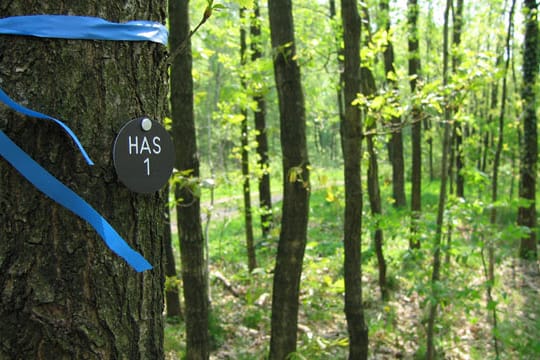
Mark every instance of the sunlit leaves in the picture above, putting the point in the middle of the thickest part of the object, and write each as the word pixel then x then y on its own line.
pixel 381 107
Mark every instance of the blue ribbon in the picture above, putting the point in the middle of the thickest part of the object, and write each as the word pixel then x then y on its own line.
pixel 24 110
pixel 53 188
pixel 83 28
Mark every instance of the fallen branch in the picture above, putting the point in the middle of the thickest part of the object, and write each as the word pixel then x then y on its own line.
pixel 226 283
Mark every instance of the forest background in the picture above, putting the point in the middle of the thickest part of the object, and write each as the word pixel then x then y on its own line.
pixel 484 296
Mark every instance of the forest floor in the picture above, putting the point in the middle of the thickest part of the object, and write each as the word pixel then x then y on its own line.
pixel 399 334
pixel 241 302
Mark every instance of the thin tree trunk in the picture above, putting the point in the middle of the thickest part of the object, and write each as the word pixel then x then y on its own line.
pixel 376 211
pixel 172 298
pixel 265 194
pixel 529 147
pixel 427 128
pixel 396 137
pixel 64 293
pixel 495 182
pixel 244 141
pixel 426 121
pixel 368 88
pixel 435 276
pixel 351 132
pixel 488 135
pixel 214 152
pixel 456 139
pixel 293 235
pixel 341 65
pixel 458 129
pixel 192 245
pixel 416 128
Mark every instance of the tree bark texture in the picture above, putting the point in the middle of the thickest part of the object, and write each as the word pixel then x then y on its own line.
pixel 192 245
pixel 63 293
pixel 352 153
pixel 529 146
pixel 265 193
pixel 416 127
pixel 293 234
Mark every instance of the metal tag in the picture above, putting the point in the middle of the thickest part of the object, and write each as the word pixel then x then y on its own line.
pixel 143 155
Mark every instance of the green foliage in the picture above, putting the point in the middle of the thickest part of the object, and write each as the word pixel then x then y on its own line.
pixel 397 327
pixel 172 283
pixel 174 341
pixel 185 180
pixel 215 328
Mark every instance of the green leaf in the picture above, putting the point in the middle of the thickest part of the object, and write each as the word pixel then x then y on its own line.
pixel 219 7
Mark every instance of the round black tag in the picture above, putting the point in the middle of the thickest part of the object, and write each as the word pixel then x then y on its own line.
pixel 143 155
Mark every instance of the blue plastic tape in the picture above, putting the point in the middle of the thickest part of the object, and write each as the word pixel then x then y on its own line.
pixel 53 188
pixel 83 28
pixel 29 112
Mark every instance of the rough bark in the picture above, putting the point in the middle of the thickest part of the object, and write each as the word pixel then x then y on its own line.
pixel 192 245
pixel 351 132
pixel 416 127
pixel 263 161
pixel 293 235
pixel 529 145
pixel 63 293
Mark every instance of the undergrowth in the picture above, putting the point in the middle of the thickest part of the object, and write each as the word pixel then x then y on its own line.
pixel 240 326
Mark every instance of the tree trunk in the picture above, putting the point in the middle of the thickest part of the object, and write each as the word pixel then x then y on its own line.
pixel 265 194
pixel 351 132
pixel 396 137
pixel 64 294
pixel 435 276
pixel 458 137
pixel 376 212
pixel 244 142
pixel 172 298
pixel 192 245
pixel 293 235
pixel 368 88
pixel 426 120
pixel 416 127
pixel 341 65
pixel 495 181
pixel 529 146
